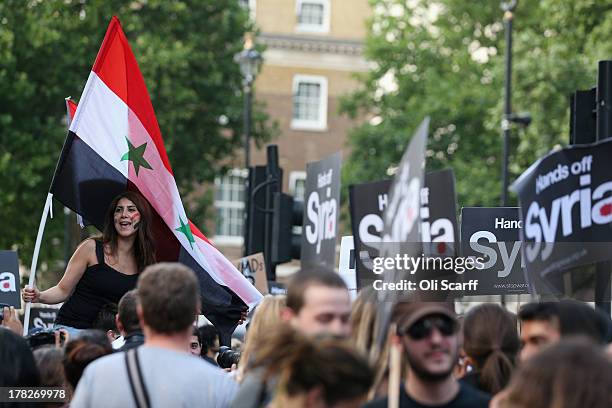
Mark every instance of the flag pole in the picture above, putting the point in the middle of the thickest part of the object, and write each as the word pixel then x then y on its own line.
pixel 41 230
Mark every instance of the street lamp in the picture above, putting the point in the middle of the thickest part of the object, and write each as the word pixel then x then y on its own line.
pixel 249 60
pixel 524 118
pixel 508 8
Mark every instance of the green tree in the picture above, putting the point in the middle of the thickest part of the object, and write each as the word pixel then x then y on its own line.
pixel 445 59
pixel 185 51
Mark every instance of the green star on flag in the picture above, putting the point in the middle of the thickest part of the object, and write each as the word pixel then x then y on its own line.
pixel 184 228
pixel 136 156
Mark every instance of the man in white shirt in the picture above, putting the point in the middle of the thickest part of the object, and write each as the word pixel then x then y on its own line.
pixel 170 376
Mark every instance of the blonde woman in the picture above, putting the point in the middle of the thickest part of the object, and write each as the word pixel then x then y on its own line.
pixel 266 316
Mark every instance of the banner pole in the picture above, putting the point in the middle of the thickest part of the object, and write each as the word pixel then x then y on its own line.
pixel 395 370
pixel 41 230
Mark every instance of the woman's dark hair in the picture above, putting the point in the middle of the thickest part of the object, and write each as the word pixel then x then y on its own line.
pixel 303 364
pixel 105 320
pixel 491 340
pixel 208 334
pixel 89 346
pixel 573 373
pixel 196 332
pixel 49 360
pixel 144 246
pixel 18 368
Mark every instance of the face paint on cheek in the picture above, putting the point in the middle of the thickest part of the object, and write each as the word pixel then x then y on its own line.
pixel 135 218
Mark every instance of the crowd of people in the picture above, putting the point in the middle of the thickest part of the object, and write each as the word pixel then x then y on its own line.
pixel 139 345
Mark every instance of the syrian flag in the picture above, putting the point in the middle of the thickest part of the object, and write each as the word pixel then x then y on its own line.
pixel 114 144
pixel 71 107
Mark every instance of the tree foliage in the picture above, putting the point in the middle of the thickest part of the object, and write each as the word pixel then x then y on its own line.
pixel 445 59
pixel 185 51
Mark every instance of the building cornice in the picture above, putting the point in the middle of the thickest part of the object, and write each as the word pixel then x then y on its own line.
pixel 311 44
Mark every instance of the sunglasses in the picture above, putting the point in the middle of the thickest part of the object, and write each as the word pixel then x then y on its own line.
pixel 424 327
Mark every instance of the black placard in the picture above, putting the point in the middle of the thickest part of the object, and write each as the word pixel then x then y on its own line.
pixel 566 208
pixel 322 205
pixel 42 317
pixel 438 218
pixel 493 236
pixel 10 286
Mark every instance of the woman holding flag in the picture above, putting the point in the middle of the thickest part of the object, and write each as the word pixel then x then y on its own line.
pixel 103 269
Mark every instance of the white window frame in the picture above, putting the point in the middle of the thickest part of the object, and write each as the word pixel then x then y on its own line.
pixel 307 124
pixel 252 5
pixel 313 28
pixel 229 240
pixel 294 177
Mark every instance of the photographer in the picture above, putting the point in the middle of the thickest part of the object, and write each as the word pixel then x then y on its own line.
pixel 209 336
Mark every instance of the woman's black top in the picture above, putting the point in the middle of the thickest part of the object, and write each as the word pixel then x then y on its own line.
pixel 99 285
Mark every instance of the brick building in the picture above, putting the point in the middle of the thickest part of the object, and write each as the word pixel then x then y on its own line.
pixel 313 50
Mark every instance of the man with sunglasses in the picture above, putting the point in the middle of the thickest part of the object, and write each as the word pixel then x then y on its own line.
pixel 427 332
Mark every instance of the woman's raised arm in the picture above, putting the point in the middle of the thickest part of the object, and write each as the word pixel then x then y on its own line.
pixel 81 259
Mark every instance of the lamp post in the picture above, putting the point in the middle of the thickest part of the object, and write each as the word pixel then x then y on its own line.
pixel 249 60
pixel 508 8
pixel 524 118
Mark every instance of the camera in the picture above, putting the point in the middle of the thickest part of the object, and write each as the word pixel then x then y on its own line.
pixel 227 357
pixel 42 337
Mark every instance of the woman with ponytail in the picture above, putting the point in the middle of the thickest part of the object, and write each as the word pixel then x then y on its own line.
pixel 491 345
pixel 312 372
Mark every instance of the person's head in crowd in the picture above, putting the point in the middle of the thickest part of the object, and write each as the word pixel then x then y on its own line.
pixel 50 363
pixel 106 321
pixel 169 300
pixel 573 373
pixel 126 319
pixel 144 252
pixel 209 336
pixel 267 316
pixel 49 360
pixel 545 323
pixel 80 352
pixel 195 344
pixel 428 332
pixel 491 345
pixel 579 319
pixel 313 372
pixel 17 365
pixel 318 302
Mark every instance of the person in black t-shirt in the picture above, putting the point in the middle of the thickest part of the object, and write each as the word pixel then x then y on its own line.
pixel 427 334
